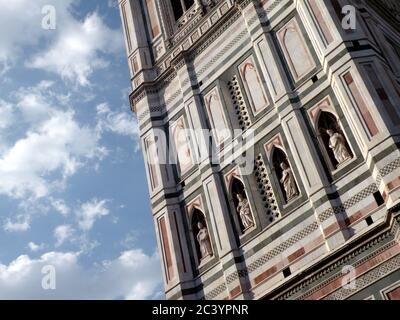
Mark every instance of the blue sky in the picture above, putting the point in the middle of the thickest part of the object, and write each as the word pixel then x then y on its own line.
pixel 73 191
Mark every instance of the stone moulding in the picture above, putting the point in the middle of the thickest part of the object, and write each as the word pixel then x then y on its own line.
pixel 337 259
pixel 186 24
pixel 167 66
pixel 150 87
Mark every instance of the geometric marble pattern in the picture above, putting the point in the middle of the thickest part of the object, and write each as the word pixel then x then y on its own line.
pixel 348 203
pixel 366 279
pixel 215 292
pixel 389 168
pixel 345 261
pixel 282 247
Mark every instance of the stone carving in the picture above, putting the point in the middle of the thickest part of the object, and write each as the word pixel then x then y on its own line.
pixel 337 143
pixel 244 211
pixel 288 182
pixel 265 189
pixel 238 103
pixel 204 241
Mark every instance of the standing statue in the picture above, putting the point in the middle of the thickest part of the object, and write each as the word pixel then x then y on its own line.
pixel 204 241
pixel 337 143
pixel 243 209
pixel 288 182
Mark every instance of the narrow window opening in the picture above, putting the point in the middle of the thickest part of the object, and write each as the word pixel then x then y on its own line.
pixel 179 7
pixel 378 198
pixel 287 272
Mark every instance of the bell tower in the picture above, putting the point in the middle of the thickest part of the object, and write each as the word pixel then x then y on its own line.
pixel 271 136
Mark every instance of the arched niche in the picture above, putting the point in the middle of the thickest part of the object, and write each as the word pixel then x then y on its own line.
pixel 295 50
pixel 332 139
pixel 284 174
pixel 201 235
pixel 216 114
pixel 241 205
pixel 253 85
pixel 182 146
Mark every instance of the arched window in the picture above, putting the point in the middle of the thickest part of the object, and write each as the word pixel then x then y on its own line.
pixel 179 7
pixel 244 216
pixel 334 143
pixel 201 236
pixel 284 175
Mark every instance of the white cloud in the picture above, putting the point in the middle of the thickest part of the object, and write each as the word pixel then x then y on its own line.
pixel 74 50
pixel 77 53
pixel 6 114
pixel 55 144
pixel 34 102
pixel 91 211
pixel 60 206
pixel 24 18
pixel 54 147
pixel 130 239
pixel 112 3
pixel 35 247
pixel 119 122
pixel 47 143
pixel 60 144
pixel 63 233
pixel 132 275
pixel 68 234
pixel 22 223
pixel 7 118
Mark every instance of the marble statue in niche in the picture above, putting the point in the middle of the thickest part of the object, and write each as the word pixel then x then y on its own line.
pixel 337 143
pixel 332 140
pixel 244 212
pixel 204 241
pixel 288 182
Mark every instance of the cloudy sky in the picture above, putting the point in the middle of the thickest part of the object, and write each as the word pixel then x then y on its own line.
pixel 73 192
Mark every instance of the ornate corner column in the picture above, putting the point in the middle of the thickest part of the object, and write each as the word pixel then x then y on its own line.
pixel 173 252
pixel 164 193
pixel 212 185
pixel 138 51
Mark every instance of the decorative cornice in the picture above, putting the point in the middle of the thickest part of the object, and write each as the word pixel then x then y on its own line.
pixel 177 57
pixel 339 258
pixel 212 35
pixel 150 87
pixel 181 59
pixel 242 4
